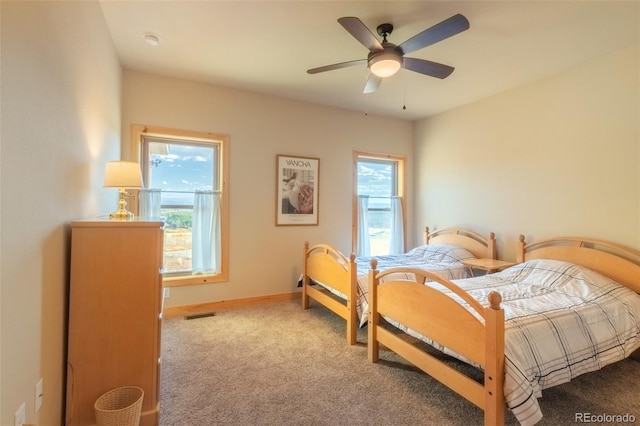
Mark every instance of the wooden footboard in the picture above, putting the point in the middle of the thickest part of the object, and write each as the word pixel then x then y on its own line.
pixel 477 336
pixel 325 264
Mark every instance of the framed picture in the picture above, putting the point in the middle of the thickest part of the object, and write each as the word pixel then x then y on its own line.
pixel 297 188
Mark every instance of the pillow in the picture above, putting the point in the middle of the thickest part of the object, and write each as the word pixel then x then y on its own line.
pixel 558 275
pixel 440 253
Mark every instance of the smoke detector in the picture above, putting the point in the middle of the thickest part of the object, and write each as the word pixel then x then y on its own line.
pixel 151 39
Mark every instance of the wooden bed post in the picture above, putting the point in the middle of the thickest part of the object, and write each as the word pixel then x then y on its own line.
pixel 520 249
pixel 426 235
pixel 352 300
pixel 373 317
pixel 492 249
pixel 494 359
pixel 305 277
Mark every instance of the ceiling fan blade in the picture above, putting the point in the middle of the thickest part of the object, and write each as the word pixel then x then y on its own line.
pixel 337 66
pixel 357 29
pixel 429 68
pixel 447 28
pixel 373 82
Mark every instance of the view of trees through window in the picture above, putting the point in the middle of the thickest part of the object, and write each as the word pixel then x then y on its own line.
pixel 177 239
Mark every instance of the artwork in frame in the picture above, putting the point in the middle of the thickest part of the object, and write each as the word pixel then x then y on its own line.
pixel 297 189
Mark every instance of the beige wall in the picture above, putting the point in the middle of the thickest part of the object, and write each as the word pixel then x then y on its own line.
pixel 559 156
pixel 556 156
pixel 265 259
pixel 60 116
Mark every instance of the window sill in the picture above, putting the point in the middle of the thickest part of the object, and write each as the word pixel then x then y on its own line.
pixel 177 281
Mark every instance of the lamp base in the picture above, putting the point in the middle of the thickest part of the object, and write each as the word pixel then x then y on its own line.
pixel 121 215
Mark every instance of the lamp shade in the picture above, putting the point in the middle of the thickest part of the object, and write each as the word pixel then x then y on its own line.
pixel 122 174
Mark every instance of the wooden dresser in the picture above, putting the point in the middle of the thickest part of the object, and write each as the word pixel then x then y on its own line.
pixel 115 315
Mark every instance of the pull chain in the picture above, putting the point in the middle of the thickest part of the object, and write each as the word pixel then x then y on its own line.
pixel 366 105
pixel 404 88
pixel 366 98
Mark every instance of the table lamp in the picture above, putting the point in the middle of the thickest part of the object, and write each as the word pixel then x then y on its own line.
pixel 122 175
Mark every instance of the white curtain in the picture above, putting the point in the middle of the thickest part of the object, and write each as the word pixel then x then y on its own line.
pixel 149 200
pixel 363 246
pixel 396 245
pixel 206 227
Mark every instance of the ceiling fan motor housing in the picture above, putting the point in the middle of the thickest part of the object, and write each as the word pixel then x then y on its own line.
pixel 388 49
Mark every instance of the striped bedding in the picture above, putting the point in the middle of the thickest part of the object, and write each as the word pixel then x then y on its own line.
pixel 561 320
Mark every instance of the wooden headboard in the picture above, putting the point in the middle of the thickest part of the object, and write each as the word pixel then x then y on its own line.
pixel 480 246
pixel 620 263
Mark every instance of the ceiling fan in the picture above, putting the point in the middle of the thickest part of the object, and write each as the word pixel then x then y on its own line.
pixel 386 58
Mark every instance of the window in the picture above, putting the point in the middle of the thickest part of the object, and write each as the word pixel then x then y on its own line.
pixel 378 204
pixel 185 176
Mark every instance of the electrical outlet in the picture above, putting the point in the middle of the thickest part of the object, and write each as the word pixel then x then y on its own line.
pixel 20 418
pixel 39 394
pixel 167 292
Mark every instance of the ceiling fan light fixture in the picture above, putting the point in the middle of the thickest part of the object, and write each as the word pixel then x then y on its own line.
pixel 385 64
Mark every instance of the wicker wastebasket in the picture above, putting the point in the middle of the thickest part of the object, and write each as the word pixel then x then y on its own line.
pixel 119 407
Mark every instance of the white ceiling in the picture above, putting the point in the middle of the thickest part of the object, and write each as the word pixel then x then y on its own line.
pixel 267 46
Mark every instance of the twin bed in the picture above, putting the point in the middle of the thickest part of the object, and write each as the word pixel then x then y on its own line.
pixel 570 306
pixel 341 284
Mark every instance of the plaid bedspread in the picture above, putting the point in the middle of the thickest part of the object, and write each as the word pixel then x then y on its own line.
pixel 441 259
pixel 562 320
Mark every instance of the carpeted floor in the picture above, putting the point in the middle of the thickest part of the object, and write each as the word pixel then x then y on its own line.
pixel 276 364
